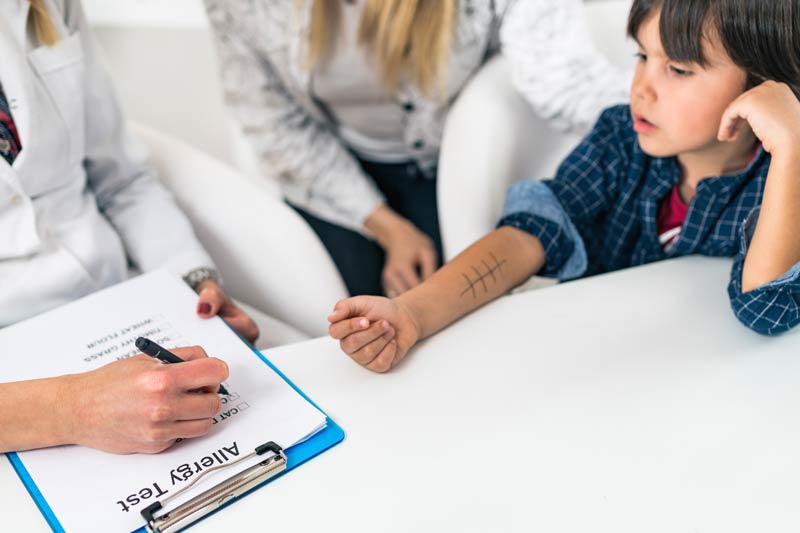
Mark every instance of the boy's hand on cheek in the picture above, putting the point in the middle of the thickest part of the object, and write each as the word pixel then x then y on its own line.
pixel 375 332
pixel 773 112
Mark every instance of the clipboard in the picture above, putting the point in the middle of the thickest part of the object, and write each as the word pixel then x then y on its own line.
pixel 276 463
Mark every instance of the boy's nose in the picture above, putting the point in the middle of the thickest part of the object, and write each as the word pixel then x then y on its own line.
pixel 641 89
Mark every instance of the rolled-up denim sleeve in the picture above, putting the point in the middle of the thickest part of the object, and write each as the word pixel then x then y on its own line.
pixel 583 188
pixel 532 207
pixel 772 308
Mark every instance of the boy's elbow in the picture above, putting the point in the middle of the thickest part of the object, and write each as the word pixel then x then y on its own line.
pixel 769 330
pixel 778 314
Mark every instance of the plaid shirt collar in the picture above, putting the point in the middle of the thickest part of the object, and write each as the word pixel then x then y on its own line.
pixel 711 195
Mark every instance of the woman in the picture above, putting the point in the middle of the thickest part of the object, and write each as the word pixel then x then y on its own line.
pixel 78 203
pixel 345 101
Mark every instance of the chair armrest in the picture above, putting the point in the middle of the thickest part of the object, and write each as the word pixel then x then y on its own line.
pixel 492 138
pixel 267 255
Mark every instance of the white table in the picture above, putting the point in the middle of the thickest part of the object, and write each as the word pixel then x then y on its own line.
pixel 630 402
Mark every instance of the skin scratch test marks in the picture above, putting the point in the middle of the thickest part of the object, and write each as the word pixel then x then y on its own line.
pixel 493 267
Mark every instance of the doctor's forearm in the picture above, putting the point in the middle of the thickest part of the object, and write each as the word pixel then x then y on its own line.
pixel 35 414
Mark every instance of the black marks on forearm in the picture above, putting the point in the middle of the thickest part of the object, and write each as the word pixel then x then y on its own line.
pixel 487 269
pixel 480 278
pixel 470 286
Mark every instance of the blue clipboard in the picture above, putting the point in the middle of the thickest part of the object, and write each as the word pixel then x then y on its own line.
pixel 298 454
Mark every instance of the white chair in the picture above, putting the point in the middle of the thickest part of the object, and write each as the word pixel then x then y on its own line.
pixel 493 138
pixel 268 257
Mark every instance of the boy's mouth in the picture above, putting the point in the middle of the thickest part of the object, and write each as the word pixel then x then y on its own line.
pixel 642 125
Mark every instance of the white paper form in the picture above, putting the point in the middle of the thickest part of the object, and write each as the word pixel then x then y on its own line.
pixel 93 491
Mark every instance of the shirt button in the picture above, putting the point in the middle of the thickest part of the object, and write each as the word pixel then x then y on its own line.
pixel 418 144
pixel 16 199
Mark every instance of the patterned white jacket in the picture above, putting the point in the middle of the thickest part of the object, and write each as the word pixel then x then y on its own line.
pixel 262 46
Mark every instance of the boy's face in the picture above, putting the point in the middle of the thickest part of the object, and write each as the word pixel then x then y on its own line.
pixel 677 107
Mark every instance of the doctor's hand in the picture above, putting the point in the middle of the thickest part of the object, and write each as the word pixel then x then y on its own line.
pixel 213 301
pixel 410 254
pixel 375 332
pixel 139 405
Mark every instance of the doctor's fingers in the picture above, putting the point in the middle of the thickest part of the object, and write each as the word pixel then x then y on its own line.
pixel 204 373
pixel 187 406
pixel 164 435
pixel 241 322
pixel 190 353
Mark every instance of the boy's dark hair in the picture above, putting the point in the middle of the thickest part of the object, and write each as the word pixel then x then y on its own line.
pixel 760 36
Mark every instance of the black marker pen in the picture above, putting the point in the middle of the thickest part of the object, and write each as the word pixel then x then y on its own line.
pixel 165 356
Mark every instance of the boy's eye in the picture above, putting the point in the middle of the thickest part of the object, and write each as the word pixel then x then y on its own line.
pixel 640 56
pixel 680 71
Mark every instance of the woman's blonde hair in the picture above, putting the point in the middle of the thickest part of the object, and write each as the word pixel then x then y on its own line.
pixel 404 37
pixel 43 26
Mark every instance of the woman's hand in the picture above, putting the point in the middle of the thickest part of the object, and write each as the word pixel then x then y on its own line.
pixel 410 254
pixel 141 405
pixel 375 332
pixel 773 112
pixel 213 301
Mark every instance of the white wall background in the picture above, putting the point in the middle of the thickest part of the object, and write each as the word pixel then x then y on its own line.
pixel 163 63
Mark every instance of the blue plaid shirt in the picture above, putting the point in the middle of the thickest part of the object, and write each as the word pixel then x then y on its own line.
pixel 599 214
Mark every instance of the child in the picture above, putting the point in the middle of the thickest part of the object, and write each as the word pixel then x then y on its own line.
pixel 705 160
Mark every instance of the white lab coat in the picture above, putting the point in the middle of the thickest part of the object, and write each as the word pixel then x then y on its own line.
pixel 79 205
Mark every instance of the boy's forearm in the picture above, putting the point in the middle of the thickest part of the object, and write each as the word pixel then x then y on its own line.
pixel 487 269
pixel 775 247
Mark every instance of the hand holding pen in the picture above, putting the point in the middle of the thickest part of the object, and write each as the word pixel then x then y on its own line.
pixel 137 406
pixel 160 353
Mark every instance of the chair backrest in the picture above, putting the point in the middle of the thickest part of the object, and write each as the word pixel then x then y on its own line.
pixel 493 138
pixel 267 255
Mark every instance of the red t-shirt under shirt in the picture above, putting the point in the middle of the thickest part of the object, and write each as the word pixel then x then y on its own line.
pixel 672 212
pixel 671 215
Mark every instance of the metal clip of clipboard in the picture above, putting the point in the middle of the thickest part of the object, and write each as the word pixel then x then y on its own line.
pixel 205 503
